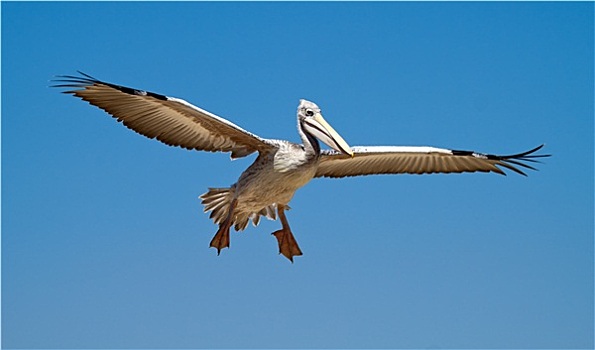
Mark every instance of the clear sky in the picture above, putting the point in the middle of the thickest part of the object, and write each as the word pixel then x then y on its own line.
pixel 104 243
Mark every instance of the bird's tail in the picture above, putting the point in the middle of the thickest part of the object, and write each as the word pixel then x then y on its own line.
pixel 218 200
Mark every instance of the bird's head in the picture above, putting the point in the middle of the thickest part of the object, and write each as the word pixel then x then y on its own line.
pixel 311 120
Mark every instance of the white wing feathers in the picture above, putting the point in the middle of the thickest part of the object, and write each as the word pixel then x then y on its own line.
pixel 418 160
pixel 172 121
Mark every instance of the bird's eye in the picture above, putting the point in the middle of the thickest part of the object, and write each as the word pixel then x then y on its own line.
pixel 309 113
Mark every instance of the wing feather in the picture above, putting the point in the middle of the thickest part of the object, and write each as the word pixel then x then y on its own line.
pixel 419 160
pixel 172 121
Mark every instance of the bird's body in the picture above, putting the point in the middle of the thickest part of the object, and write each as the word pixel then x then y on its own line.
pixel 271 180
pixel 275 176
pixel 282 167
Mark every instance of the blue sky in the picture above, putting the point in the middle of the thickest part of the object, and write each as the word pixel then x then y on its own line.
pixel 104 243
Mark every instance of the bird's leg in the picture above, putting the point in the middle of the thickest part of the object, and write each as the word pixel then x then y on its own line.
pixel 287 244
pixel 221 239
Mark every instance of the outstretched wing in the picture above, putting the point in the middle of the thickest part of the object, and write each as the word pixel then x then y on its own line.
pixel 419 160
pixel 172 121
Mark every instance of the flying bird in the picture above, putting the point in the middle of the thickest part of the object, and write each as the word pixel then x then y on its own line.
pixel 282 167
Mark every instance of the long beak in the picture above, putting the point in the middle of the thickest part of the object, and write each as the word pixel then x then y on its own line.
pixel 322 130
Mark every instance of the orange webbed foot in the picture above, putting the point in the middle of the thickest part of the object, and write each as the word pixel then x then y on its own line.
pixel 287 244
pixel 221 239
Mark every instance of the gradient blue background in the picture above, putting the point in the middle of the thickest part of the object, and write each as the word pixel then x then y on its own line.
pixel 104 243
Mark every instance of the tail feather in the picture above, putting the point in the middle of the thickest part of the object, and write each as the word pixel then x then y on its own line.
pixel 218 200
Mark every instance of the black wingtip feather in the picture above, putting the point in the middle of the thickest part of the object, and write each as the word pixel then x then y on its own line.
pixel 81 82
pixel 86 75
pixel 520 159
pixel 528 154
pixel 511 162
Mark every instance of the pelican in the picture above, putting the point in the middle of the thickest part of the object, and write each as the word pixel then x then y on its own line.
pixel 267 186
